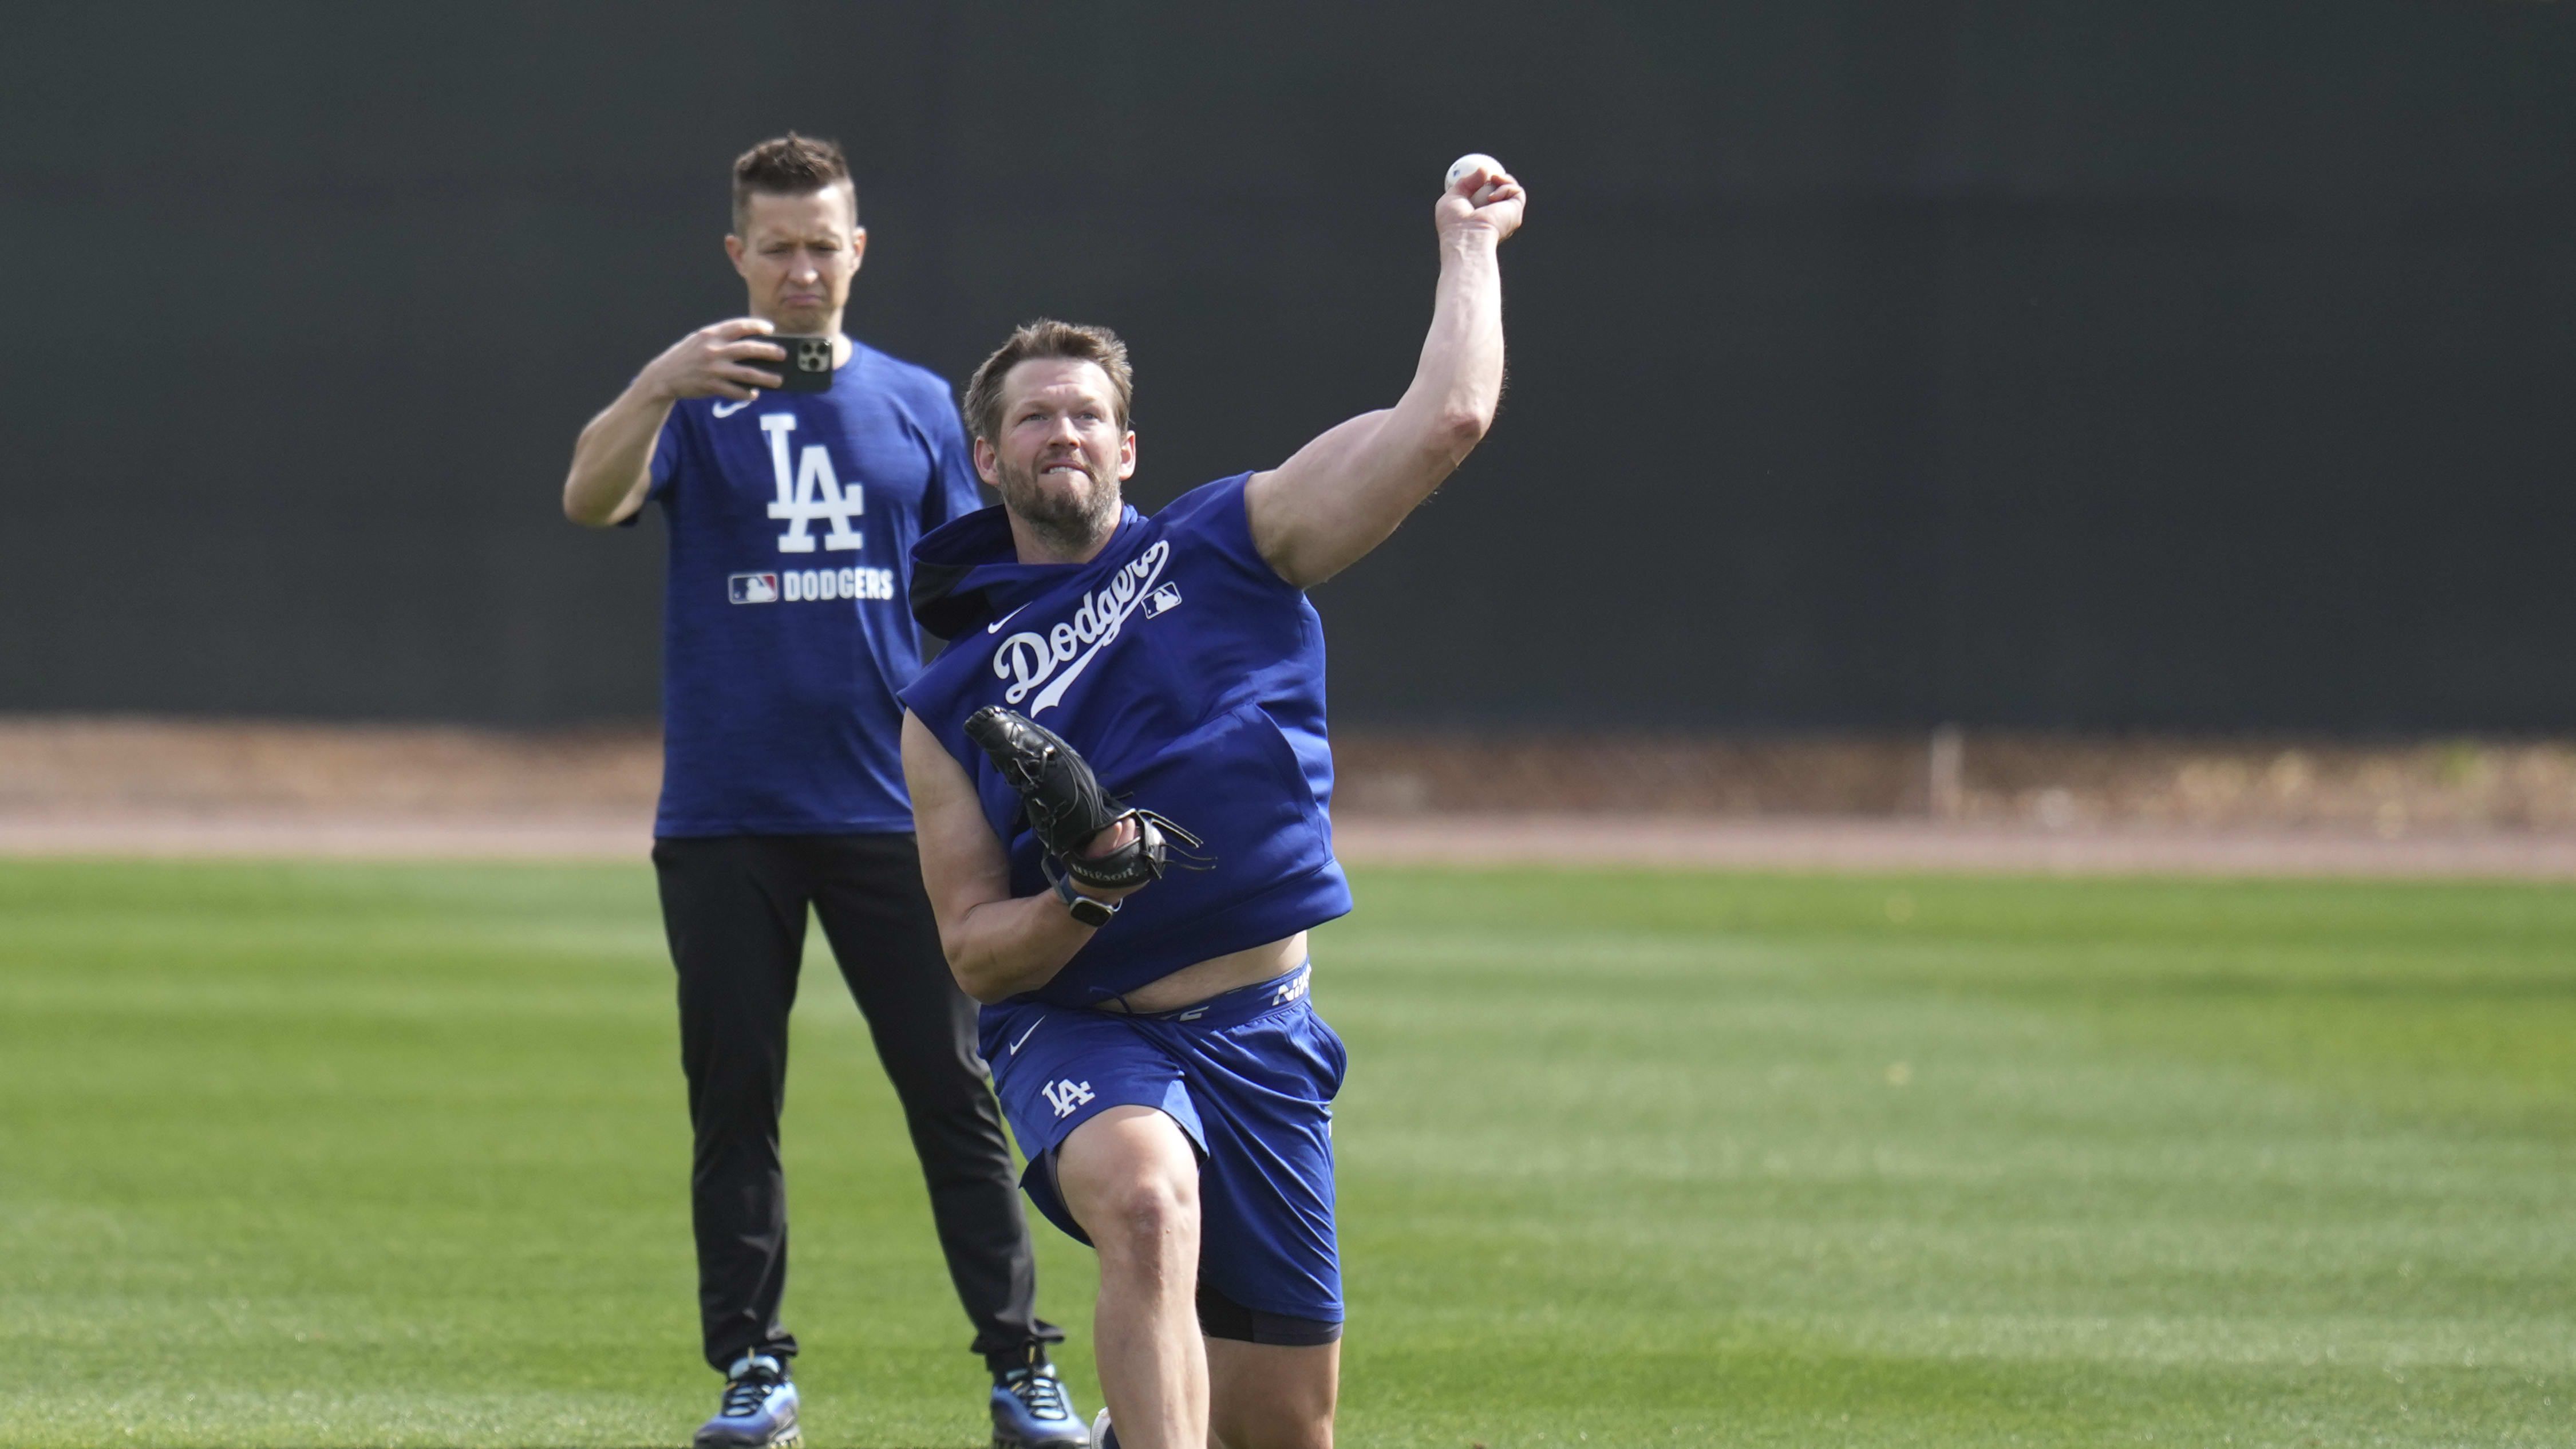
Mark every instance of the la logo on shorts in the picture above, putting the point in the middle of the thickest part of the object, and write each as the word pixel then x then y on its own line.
pixel 1066 1095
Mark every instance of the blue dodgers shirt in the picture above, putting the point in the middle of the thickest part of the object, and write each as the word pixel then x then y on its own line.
pixel 1191 676
pixel 785 633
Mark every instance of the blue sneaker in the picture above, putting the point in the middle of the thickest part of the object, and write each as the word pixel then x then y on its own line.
pixel 759 1410
pixel 1031 1410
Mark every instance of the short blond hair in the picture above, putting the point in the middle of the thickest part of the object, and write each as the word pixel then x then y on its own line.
pixel 1045 338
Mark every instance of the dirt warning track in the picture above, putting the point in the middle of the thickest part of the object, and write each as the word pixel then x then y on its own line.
pixel 219 789
pixel 1860 846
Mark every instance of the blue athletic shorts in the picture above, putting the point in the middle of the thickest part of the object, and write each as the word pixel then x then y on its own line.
pixel 1249 1075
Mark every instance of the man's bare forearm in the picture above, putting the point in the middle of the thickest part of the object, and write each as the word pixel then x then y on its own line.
pixel 1458 381
pixel 1002 948
pixel 611 465
pixel 612 462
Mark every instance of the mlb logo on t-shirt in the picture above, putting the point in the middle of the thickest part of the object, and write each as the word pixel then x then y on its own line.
pixel 1166 597
pixel 752 588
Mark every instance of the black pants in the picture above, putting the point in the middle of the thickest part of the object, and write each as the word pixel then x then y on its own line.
pixel 734 907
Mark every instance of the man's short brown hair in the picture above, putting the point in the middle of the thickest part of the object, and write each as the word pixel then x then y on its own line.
pixel 1045 338
pixel 790 165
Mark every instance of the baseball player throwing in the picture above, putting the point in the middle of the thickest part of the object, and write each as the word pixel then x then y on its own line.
pixel 1120 778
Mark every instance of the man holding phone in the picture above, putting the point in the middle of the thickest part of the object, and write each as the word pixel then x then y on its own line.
pixel 796 468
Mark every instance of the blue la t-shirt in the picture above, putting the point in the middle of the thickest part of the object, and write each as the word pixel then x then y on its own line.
pixel 1191 677
pixel 785 630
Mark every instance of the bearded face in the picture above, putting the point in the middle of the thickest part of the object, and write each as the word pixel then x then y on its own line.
pixel 1061 452
pixel 1065 500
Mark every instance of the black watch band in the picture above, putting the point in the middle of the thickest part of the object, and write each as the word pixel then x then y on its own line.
pixel 1090 912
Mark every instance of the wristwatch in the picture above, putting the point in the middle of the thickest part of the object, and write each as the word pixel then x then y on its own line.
pixel 1090 912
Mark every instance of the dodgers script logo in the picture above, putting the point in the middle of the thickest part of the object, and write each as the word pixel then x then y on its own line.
pixel 1057 657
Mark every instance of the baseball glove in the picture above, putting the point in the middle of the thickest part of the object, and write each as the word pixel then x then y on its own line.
pixel 1067 807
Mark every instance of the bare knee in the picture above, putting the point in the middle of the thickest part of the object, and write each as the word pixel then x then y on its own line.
pixel 1131 1179
pixel 1144 1215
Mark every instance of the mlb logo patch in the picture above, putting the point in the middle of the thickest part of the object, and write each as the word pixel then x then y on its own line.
pixel 1162 600
pixel 752 588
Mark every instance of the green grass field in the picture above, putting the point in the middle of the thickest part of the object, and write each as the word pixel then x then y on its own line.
pixel 393 1154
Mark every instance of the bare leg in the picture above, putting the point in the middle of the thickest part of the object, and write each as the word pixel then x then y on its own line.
pixel 1132 1180
pixel 1263 1396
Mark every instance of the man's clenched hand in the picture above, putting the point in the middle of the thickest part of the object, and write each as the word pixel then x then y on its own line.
pixel 1459 216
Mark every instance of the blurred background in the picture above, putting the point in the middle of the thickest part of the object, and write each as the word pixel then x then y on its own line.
pixel 2175 370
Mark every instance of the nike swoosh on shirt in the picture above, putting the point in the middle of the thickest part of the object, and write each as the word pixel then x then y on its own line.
pixel 996 626
pixel 726 410
pixel 1024 1036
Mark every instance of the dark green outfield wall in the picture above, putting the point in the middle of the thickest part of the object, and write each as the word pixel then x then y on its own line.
pixel 2148 363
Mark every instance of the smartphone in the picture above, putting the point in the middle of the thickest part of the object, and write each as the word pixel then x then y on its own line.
pixel 808 367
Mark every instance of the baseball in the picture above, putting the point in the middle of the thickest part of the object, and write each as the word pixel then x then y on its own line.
pixel 1470 162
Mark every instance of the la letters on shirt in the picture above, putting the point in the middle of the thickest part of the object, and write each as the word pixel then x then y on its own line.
pixel 784 630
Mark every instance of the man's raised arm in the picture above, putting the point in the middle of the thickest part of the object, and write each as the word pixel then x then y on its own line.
pixel 612 461
pixel 1343 493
